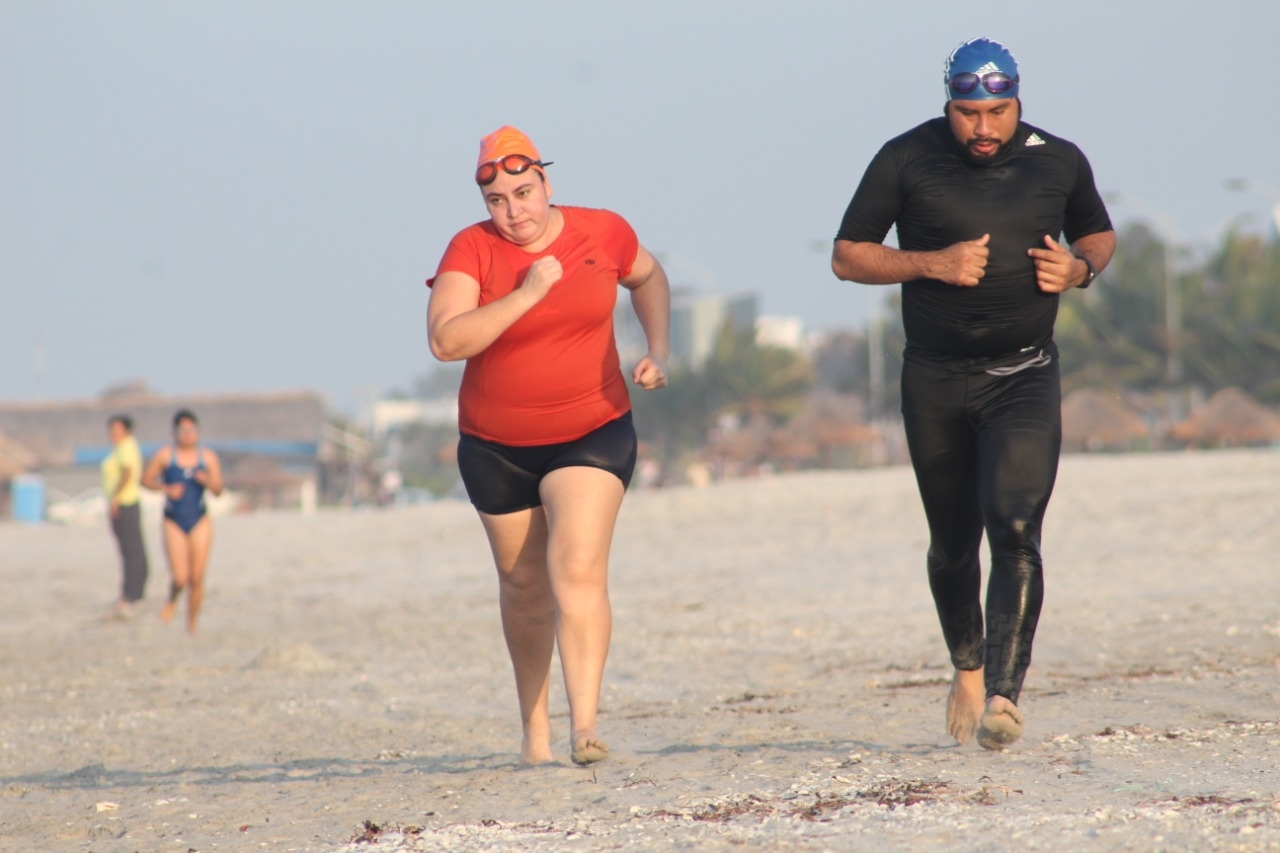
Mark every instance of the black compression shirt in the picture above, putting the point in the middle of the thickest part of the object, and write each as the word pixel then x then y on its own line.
pixel 922 182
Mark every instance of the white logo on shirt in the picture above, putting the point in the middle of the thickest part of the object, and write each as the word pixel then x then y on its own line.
pixel 1034 139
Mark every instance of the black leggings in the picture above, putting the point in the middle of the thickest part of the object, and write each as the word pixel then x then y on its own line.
pixel 985 452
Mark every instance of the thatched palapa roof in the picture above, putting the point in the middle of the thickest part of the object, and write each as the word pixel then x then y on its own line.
pixel 1231 418
pixel 1093 419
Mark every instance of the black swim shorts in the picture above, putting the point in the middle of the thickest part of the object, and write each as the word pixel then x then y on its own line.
pixel 500 478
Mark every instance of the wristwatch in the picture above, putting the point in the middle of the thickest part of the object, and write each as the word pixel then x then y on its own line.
pixel 1090 276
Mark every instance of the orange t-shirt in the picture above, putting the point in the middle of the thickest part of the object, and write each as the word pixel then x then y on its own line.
pixel 553 376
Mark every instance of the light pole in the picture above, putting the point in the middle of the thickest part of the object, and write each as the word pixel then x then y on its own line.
pixel 1259 189
pixel 1172 297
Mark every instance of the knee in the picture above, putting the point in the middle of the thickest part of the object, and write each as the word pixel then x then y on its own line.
pixel 1015 536
pixel 523 582
pixel 943 561
pixel 581 574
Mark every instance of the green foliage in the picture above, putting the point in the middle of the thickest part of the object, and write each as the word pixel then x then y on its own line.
pixel 741 377
pixel 673 421
pixel 1233 318
pixel 1115 333
pixel 745 378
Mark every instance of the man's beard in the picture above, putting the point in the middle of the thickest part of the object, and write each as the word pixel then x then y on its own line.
pixel 976 159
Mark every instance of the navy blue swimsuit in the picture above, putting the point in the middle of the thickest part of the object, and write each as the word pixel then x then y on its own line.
pixel 187 510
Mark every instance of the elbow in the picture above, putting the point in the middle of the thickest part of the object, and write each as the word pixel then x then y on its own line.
pixel 843 268
pixel 842 261
pixel 441 347
pixel 444 351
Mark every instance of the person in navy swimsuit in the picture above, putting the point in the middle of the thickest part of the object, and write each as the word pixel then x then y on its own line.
pixel 184 470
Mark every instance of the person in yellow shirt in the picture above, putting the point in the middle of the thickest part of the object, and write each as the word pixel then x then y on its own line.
pixel 121 476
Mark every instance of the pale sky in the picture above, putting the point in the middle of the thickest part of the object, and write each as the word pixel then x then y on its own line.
pixel 247 195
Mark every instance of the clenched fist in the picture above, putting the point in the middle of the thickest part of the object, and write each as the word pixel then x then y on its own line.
pixel 542 275
pixel 963 264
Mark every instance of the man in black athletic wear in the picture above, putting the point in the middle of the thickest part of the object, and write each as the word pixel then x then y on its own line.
pixel 981 201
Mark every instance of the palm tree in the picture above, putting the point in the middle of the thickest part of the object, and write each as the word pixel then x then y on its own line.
pixel 1113 334
pixel 751 380
pixel 1233 318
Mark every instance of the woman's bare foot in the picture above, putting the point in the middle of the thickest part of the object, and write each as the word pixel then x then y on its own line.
pixel 588 749
pixel 535 748
pixel 536 759
pixel 1001 724
pixel 166 614
pixel 965 704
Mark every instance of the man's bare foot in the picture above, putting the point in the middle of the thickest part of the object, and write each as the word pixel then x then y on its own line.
pixel 1001 724
pixel 166 614
pixel 965 703
pixel 588 749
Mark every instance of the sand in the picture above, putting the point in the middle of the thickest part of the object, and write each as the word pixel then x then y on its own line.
pixel 777 681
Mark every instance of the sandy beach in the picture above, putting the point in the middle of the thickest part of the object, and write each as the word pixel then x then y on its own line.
pixel 776 682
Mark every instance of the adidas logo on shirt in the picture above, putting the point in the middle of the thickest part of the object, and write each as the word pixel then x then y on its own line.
pixel 1034 139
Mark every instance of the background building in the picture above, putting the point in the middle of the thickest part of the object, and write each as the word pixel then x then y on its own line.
pixel 273 446
pixel 696 321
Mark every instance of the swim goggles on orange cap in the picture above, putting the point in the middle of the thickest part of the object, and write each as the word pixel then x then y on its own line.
pixel 512 164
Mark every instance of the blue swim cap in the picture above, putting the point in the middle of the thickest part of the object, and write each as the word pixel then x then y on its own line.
pixel 980 70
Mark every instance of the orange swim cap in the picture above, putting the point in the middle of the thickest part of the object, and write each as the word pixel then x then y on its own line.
pixel 503 141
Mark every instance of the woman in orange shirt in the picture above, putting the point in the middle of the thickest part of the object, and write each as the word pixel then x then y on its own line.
pixel 547 447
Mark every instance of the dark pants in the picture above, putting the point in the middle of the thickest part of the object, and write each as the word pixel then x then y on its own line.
pixel 985 452
pixel 127 526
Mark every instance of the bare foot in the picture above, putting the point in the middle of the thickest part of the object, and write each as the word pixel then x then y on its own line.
pixel 965 703
pixel 588 749
pixel 531 756
pixel 535 745
pixel 1001 724
pixel 166 614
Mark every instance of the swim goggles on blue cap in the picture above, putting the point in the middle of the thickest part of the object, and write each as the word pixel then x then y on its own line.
pixel 995 82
